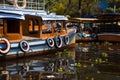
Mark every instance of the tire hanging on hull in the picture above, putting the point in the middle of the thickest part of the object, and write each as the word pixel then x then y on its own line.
pixel 50 42
pixel 58 41
pixel 6 50
pixel 24 46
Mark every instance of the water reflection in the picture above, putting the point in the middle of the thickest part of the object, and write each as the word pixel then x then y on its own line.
pixel 49 66
pixel 85 61
pixel 100 62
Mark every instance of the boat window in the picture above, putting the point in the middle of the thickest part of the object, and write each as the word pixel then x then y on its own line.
pixel 36 22
pixel 58 26
pixel 13 26
pixel 36 25
pixel 47 27
pixel 33 26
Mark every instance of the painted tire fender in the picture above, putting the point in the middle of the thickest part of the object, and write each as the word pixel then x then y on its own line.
pixel 7 46
pixel 67 40
pixel 50 42
pixel 24 46
pixel 58 41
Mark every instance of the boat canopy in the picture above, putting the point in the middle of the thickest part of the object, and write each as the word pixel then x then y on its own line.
pixel 20 14
pixel 11 14
pixel 34 12
pixel 55 17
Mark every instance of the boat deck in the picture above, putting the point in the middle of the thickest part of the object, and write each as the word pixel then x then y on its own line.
pixel 44 36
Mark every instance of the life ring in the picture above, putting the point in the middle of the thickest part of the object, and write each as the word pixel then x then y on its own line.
pixel 7 46
pixel 58 41
pixel 24 46
pixel 66 40
pixel 17 6
pixel 50 42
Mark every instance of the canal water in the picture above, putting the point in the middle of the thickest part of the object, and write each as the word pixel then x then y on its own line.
pixel 84 61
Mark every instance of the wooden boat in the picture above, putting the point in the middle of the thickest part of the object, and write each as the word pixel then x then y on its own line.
pixel 109 27
pixel 24 31
pixel 84 27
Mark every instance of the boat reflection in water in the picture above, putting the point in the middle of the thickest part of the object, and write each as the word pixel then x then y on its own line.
pixel 57 66
pixel 88 61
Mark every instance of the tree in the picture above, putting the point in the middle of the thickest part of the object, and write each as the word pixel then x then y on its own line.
pixel 114 5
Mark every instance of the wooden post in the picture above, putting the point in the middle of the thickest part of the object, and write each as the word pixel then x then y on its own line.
pixel 40 29
pixel 61 29
pixel 53 25
pixel 5 28
pixel 21 29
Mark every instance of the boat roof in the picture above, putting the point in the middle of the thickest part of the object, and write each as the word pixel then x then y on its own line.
pixel 83 20
pixel 53 16
pixel 15 13
pixel 10 14
pixel 109 17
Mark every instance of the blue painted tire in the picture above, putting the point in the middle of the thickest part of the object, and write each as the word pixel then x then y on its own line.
pixel 50 42
pixel 24 46
pixel 6 50
pixel 67 40
pixel 58 41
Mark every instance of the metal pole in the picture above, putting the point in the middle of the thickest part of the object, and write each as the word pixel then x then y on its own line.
pixel 4 3
pixel 114 8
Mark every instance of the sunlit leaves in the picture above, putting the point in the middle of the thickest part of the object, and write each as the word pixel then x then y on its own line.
pixel 58 8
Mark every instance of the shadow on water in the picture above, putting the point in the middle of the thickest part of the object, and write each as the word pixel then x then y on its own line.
pixel 85 61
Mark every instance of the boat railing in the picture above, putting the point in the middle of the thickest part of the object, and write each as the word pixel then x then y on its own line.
pixel 31 4
pixel 6 6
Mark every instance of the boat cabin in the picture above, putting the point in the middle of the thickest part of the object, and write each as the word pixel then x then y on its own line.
pixel 53 25
pixel 108 23
pixel 11 25
pixel 28 25
pixel 14 29
pixel 108 27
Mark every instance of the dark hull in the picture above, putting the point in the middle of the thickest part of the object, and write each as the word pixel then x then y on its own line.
pixel 109 37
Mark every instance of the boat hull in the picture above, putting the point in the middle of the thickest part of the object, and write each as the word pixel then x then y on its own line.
pixel 109 37
pixel 36 47
pixel 80 38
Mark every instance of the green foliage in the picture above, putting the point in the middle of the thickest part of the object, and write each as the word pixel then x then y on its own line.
pixel 60 70
pixel 98 60
pixel 77 8
pixel 104 54
pixel 66 52
pixel 59 54
pixel 78 64
pixel 58 8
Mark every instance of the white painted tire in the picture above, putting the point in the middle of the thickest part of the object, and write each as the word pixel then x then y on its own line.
pixel 24 46
pixel 17 6
pixel 7 46
pixel 50 42
pixel 58 41
pixel 67 40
